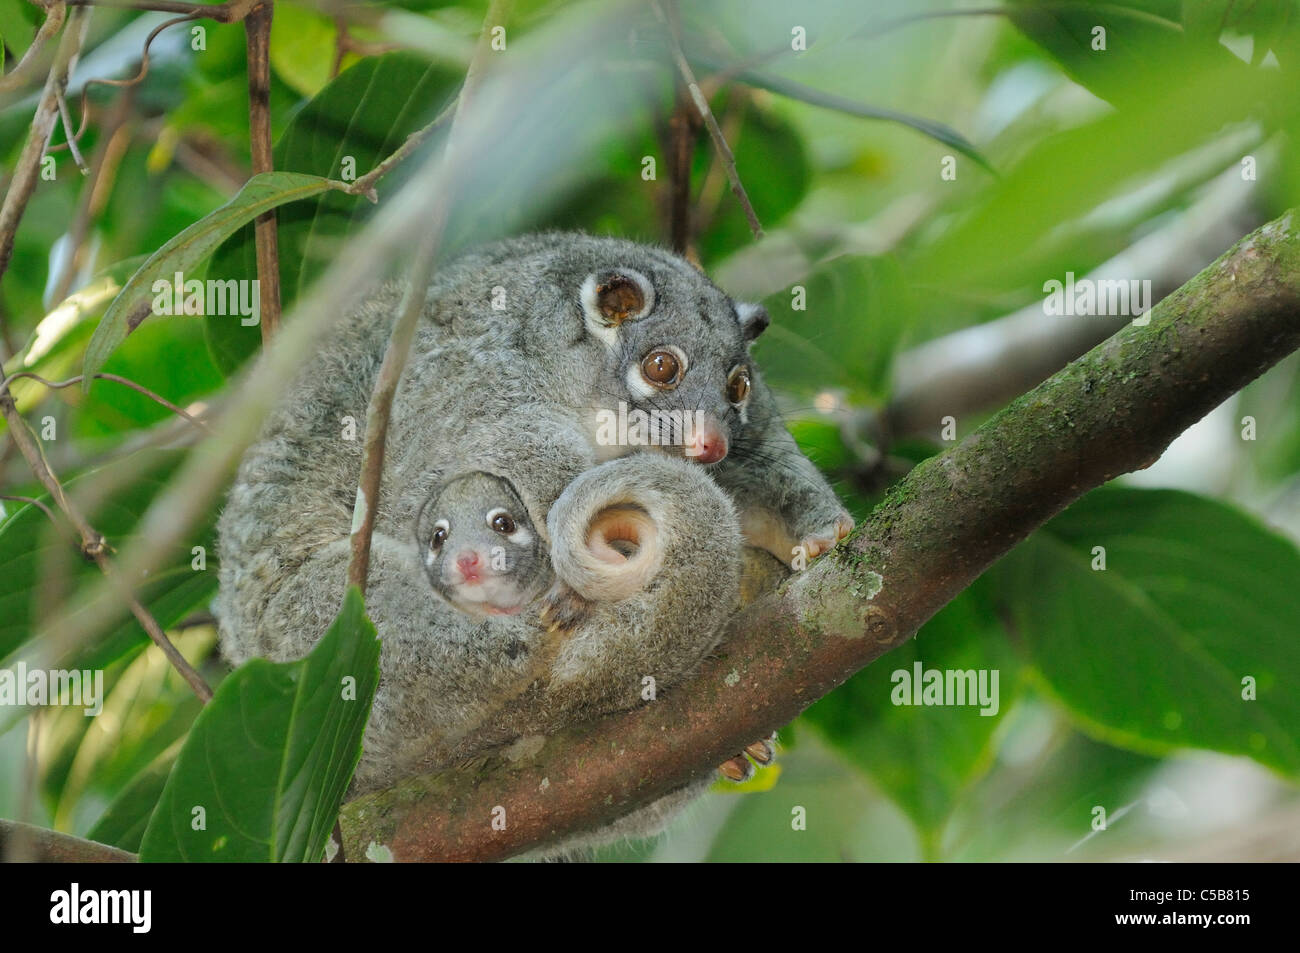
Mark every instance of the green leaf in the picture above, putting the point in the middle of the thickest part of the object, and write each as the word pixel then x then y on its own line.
pixel 1153 652
pixel 1204 21
pixel 16 27
pixel 270 757
pixel 187 250
pixel 302 47
pixel 854 315
pixel 359 118
pixel 27 543
pixel 123 823
pixel 923 756
pixel 1141 49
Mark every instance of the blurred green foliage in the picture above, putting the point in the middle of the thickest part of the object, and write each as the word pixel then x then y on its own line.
pixel 1098 122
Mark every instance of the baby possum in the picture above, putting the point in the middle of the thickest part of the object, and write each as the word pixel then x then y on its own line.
pixel 484 557
pixel 480 551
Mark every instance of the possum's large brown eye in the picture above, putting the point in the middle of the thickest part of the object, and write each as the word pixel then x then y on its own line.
pixel 618 298
pixel 738 384
pixel 439 534
pixel 503 524
pixel 662 368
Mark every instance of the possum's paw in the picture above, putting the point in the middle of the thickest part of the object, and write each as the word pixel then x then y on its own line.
pixel 824 539
pixel 563 610
pixel 741 768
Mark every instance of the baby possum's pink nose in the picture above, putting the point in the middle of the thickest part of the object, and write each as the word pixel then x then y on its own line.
pixel 467 562
pixel 708 444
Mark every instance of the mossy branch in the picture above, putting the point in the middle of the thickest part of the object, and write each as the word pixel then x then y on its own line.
pixel 1112 411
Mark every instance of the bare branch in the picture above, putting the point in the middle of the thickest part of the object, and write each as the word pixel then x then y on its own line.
pixel 138 388
pixel 257 29
pixel 667 11
pixel 108 154
pixel 27 168
pixel 230 12
pixel 24 843
pixel 74 138
pixel 935 533
pixel 681 149
pixel 366 184
pixel 34 502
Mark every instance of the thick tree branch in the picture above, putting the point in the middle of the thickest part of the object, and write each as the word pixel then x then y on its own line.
pixel 24 843
pixel 1112 411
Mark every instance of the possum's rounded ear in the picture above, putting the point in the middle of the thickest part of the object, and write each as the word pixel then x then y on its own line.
pixel 753 319
pixel 612 297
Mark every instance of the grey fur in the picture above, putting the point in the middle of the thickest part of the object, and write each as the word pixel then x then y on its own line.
pixel 512 392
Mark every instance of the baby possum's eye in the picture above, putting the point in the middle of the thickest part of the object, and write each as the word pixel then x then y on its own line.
pixel 738 384
pixel 663 367
pixel 500 521
pixel 440 529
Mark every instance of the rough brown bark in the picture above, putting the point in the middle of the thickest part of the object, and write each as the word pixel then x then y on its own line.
pixel 1112 411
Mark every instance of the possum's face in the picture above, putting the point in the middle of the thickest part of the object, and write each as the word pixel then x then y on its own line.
pixel 479 549
pixel 677 360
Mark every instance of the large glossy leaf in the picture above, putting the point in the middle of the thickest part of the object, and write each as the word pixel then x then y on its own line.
pixel 923 756
pixel 264 769
pixel 1195 610
pixel 184 253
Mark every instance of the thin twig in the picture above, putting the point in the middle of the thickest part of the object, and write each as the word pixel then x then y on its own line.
pixel 108 153
pixel 93 544
pixel 34 502
pixel 667 11
pixel 366 184
pixel 257 31
pixel 74 138
pixel 682 125
pixel 230 12
pixel 54 16
pixel 26 170
pixel 139 388
pixel 67 132
pixel 399 344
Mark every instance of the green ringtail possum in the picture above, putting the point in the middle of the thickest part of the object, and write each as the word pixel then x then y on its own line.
pixel 525 351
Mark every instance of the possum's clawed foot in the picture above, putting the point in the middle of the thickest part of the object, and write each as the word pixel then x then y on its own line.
pixel 824 540
pixel 562 609
pixel 741 768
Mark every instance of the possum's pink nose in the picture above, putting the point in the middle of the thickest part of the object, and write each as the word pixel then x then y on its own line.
pixel 707 444
pixel 467 562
